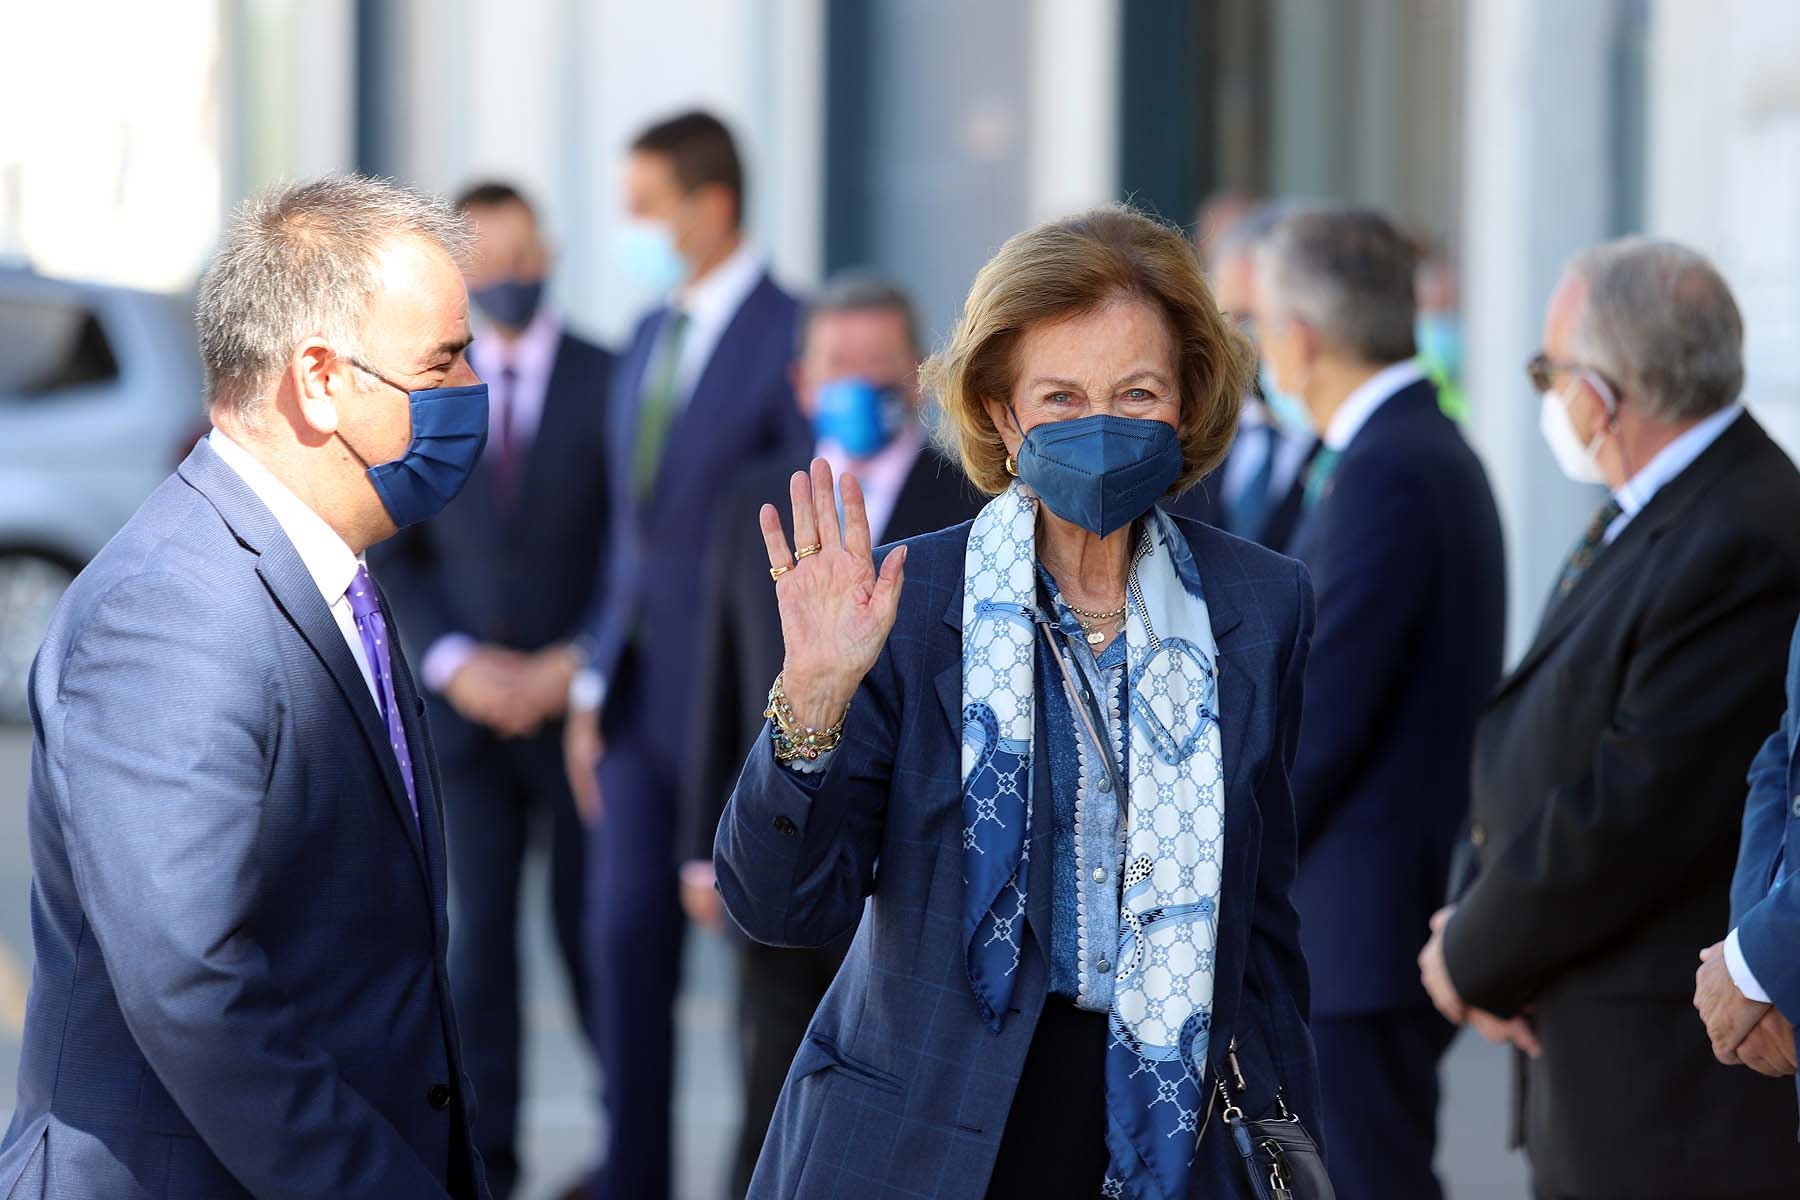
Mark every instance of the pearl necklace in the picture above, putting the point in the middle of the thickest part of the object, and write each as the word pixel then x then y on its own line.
pixel 1089 621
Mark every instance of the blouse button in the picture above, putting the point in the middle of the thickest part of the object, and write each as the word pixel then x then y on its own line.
pixel 1099 874
pixel 1105 784
pixel 1103 965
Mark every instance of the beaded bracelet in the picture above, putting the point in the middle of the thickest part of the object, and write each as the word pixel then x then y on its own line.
pixel 794 740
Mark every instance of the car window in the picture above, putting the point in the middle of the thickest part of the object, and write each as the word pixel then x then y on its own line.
pixel 47 346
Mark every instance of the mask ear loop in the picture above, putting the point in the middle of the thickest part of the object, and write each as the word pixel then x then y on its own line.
pixel 1610 403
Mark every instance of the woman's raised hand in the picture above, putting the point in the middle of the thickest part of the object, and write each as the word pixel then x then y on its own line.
pixel 836 611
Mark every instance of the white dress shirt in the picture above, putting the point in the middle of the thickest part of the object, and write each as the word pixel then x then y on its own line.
pixel 327 558
pixel 710 303
pixel 1669 462
pixel 1369 396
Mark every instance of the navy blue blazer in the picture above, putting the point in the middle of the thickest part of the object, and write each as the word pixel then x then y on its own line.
pixel 240 934
pixel 1767 918
pixel 742 408
pixel 900 1089
pixel 515 571
pixel 1405 551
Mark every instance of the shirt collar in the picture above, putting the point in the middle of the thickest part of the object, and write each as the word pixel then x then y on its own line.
pixel 531 353
pixel 714 297
pixel 328 559
pixel 1370 395
pixel 1673 459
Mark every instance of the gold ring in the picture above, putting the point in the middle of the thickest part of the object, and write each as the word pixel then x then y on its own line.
pixel 778 572
pixel 807 551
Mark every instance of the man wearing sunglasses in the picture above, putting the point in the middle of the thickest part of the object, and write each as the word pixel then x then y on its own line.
pixel 1608 767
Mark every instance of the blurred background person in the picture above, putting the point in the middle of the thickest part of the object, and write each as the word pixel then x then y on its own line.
pixel 491 596
pixel 1605 820
pixel 857 382
pixel 703 387
pixel 1403 542
pixel 1746 984
pixel 1438 330
pixel 1259 491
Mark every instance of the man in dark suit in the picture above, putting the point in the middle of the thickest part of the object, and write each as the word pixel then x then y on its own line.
pixel 857 382
pixel 491 596
pixel 702 389
pixel 238 900
pixel 1259 491
pixel 1608 766
pixel 1404 545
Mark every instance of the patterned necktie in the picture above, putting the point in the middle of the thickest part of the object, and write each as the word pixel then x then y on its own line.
pixel 658 409
pixel 1593 540
pixel 372 628
pixel 1318 474
pixel 1247 517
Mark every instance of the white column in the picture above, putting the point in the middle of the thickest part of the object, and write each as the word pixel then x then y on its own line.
pixel 1074 119
pixel 1535 158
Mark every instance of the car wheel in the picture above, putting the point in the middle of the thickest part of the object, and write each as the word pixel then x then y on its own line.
pixel 31 586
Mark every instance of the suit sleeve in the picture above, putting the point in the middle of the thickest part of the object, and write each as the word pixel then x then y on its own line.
pixel 1371 571
pixel 795 853
pixel 1603 849
pixel 1766 918
pixel 162 748
pixel 1275 928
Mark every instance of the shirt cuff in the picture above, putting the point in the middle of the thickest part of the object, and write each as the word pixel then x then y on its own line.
pixel 1740 971
pixel 587 690
pixel 448 655
pixel 810 766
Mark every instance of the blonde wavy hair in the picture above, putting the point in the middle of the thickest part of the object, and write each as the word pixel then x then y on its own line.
pixel 1062 269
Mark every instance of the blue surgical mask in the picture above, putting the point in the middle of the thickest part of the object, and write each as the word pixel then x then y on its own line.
pixel 646 251
pixel 1288 412
pixel 449 432
pixel 858 415
pixel 510 303
pixel 1439 338
pixel 1100 472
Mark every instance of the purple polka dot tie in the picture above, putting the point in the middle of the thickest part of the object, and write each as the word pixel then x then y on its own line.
pixel 374 632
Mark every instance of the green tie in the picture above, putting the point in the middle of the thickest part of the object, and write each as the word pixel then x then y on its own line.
pixel 1318 474
pixel 658 410
pixel 1587 549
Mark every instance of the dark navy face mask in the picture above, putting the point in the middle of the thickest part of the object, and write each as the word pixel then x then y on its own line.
pixel 449 432
pixel 510 303
pixel 1099 472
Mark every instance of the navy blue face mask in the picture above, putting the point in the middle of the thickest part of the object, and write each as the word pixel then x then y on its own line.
pixel 449 432
pixel 510 303
pixel 1099 472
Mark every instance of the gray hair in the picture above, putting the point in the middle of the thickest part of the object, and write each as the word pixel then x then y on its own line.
pixel 1659 322
pixel 297 261
pixel 1346 273
pixel 858 291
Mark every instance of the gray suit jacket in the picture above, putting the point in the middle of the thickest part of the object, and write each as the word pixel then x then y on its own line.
pixel 239 927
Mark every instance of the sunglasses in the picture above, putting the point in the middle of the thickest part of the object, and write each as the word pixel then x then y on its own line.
pixel 1542 370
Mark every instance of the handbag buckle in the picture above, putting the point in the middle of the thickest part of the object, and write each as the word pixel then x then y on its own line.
pixel 1278 1171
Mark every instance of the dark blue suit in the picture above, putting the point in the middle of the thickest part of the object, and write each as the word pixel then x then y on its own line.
pixel 900 1089
pixel 512 569
pixel 1405 551
pixel 240 931
pixel 1766 914
pixel 645 635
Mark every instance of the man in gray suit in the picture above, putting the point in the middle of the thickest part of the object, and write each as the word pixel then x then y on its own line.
pixel 238 903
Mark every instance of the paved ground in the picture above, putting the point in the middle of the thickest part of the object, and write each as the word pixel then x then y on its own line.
pixel 562 1123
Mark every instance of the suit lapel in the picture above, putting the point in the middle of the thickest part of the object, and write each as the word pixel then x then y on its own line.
pixel 698 417
pixel 297 595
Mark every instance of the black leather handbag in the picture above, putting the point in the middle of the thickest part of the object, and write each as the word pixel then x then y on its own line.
pixel 1281 1160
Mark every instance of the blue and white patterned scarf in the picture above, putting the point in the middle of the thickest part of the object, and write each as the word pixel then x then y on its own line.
pixel 1168 921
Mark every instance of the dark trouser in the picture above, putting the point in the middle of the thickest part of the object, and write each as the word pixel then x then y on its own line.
pixel 778 992
pixel 494 796
pixel 1379 1084
pixel 634 931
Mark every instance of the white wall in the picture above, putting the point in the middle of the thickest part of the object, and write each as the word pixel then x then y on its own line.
pixel 1725 173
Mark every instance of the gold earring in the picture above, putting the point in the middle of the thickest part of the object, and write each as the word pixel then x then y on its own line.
pixel 1012 466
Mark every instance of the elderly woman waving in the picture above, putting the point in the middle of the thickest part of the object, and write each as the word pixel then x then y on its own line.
pixel 1049 749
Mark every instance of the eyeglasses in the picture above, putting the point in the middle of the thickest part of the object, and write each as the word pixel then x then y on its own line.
pixel 1542 370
